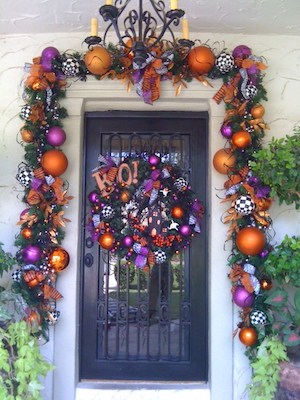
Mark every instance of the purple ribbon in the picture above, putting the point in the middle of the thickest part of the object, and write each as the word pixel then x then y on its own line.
pixel 195 217
pixel 36 183
pixel 142 253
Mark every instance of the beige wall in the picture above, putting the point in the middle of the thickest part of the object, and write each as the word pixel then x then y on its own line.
pixel 229 369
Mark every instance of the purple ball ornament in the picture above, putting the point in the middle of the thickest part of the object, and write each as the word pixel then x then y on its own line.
pixel 185 230
pixel 241 51
pixel 48 54
pixel 154 160
pixel 264 253
pixel 127 241
pixel 56 136
pixel 93 197
pixel 242 297
pixel 226 131
pixel 32 254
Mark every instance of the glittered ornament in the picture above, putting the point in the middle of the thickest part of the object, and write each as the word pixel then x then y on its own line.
pixel 201 59
pixel 248 336
pixel 241 139
pixel 177 212
pixel 56 136
pixel 224 160
pixel 244 205
pixel 106 241
pixel 258 317
pixel 26 233
pixel 54 162
pixel 97 60
pixel 241 51
pixel 180 184
pixel 160 256
pixel 58 259
pixel 107 212
pixel 24 175
pixel 16 275
pixel 250 240
pixel 242 298
pixel 224 63
pixel 32 254
pixel 70 67
pixel 26 112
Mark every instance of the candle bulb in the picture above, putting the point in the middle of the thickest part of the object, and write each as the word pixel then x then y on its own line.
pixel 94 27
pixel 174 4
pixel 185 29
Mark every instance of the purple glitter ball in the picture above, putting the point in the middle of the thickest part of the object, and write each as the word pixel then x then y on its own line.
pixel 185 230
pixel 32 254
pixel 127 241
pixel 56 136
pixel 48 54
pixel 242 297
pixel 226 131
pixel 241 51
pixel 154 160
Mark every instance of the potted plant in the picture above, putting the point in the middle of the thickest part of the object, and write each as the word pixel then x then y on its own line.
pixel 279 165
pixel 21 363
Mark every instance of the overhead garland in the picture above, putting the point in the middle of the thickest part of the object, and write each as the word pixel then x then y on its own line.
pixel 41 256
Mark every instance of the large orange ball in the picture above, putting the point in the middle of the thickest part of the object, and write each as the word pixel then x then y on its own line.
pixel 224 160
pixel 59 259
pixel 241 139
pixel 97 60
pixel 201 59
pixel 54 162
pixel 250 241
pixel 248 336
pixel 106 241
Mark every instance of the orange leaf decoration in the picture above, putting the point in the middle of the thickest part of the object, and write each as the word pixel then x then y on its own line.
pixel 34 197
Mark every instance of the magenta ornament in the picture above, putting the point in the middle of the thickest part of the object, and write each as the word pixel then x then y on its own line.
pixel 226 131
pixel 93 197
pixel 127 241
pixel 154 160
pixel 32 254
pixel 242 297
pixel 56 136
pixel 185 230
pixel 48 54
pixel 241 51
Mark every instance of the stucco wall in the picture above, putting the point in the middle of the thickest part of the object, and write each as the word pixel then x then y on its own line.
pixel 229 370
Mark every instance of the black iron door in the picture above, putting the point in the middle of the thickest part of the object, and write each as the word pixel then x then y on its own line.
pixel 135 324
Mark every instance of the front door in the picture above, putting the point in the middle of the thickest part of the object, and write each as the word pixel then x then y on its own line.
pixel 145 324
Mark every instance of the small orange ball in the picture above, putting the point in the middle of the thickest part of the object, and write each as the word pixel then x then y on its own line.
pixel 241 139
pixel 250 241
pixel 224 160
pixel 258 111
pixel 26 233
pixel 125 196
pixel 106 241
pixel 177 212
pixel 54 162
pixel 201 59
pixel 59 259
pixel 27 135
pixel 248 336
pixel 97 60
pixel 266 284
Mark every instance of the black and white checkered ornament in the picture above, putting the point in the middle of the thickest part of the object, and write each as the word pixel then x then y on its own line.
pixel 52 317
pixel 225 63
pixel 160 256
pixel 258 317
pixel 107 212
pixel 250 92
pixel 180 184
pixel 16 275
pixel 244 205
pixel 70 67
pixel 24 175
pixel 25 112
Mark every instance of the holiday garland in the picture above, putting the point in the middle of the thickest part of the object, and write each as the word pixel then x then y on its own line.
pixel 121 215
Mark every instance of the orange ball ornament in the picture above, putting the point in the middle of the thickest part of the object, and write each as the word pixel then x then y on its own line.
pixel 59 259
pixel 97 60
pixel 26 233
pixel 106 241
pixel 201 59
pixel 258 111
pixel 27 136
pixel 248 336
pixel 266 284
pixel 125 196
pixel 54 162
pixel 224 160
pixel 241 139
pixel 177 212
pixel 250 241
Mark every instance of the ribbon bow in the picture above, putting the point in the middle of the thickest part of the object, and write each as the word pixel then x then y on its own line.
pixel 152 185
pixel 142 253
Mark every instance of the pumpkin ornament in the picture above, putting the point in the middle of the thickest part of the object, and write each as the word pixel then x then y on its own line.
pixel 97 60
pixel 224 160
pixel 201 60
pixel 248 336
pixel 250 241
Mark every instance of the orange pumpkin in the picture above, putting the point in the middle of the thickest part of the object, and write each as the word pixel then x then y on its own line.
pixel 201 59
pixel 97 60
pixel 224 160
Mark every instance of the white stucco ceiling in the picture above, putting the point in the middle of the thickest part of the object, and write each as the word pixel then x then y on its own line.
pixel 228 16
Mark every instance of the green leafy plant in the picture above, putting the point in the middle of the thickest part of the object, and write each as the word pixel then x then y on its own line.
pixel 278 165
pixel 266 368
